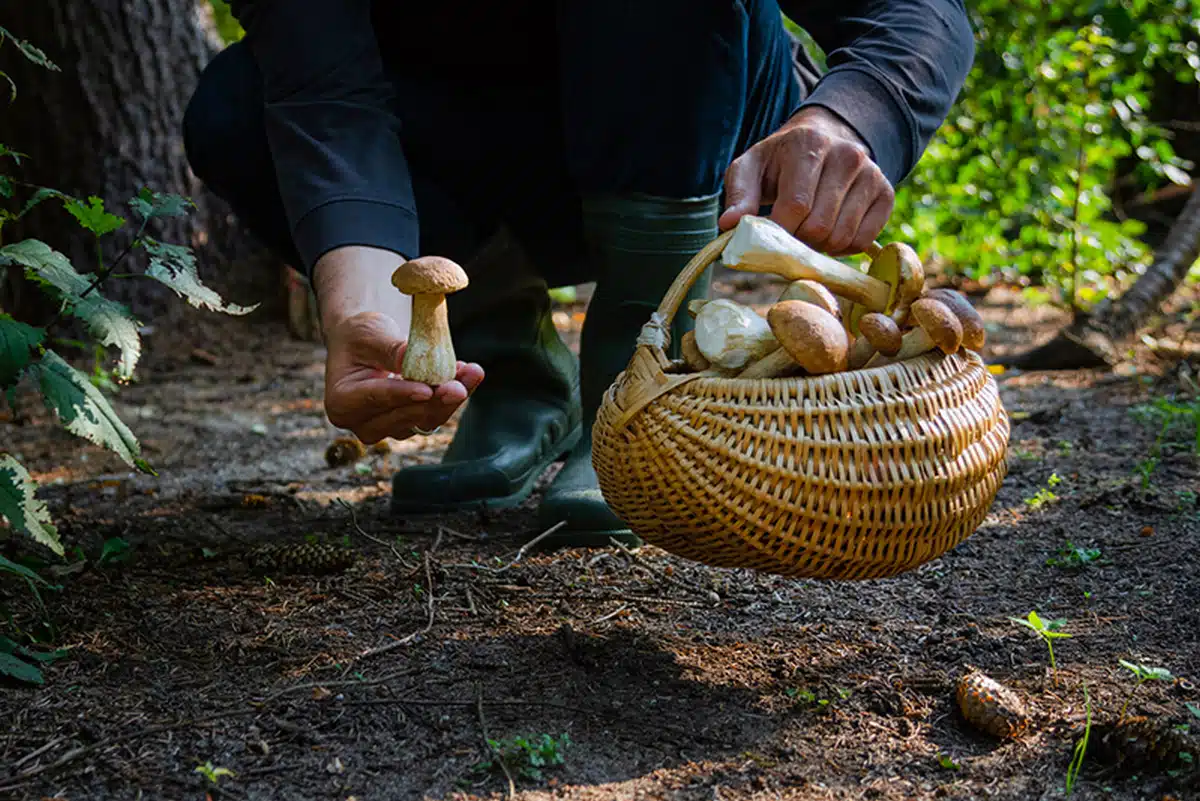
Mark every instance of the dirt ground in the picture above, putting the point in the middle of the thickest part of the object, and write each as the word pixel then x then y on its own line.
pixel 670 679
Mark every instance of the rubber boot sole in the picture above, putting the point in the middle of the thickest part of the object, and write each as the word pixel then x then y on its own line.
pixel 525 484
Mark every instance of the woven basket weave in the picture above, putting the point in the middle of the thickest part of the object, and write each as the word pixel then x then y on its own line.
pixel 855 475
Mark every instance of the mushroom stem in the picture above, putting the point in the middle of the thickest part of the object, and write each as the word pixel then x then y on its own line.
pixel 429 356
pixel 761 245
pixel 775 364
pixel 731 335
pixel 914 342
pixel 860 353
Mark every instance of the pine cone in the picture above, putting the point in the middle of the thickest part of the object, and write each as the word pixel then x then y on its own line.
pixel 344 451
pixel 312 558
pixel 991 707
pixel 1141 744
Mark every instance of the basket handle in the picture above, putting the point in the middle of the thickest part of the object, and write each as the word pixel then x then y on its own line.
pixel 688 276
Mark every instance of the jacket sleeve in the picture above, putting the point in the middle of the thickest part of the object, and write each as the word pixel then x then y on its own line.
pixel 331 125
pixel 895 68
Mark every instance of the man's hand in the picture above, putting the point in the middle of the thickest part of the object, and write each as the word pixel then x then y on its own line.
pixel 364 391
pixel 818 176
pixel 365 321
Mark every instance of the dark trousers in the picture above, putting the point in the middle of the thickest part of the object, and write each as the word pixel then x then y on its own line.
pixel 636 97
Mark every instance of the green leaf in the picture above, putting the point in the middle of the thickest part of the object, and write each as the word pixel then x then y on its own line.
pixel 175 266
pixel 110 322
pixel 93 217
pixel 17 341
pixel 10 566
pixel 1195 710
pixel 21 507
pixel 22 671
pixel 6 186
pixel 29 51
pixel 1036 621
pixel 37 197
pixel 12 87
pixel 150 204
pixel 84 411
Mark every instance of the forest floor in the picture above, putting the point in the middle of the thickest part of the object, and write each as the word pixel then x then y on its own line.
pixel 667 679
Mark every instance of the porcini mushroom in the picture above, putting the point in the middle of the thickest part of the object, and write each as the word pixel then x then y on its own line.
pixel 691 354
pixel 814 293
pixel 898 266
pixel 762 245
pixel 429 356
pixel 731 335
pixel 937 327
pixel 810 337
pixel 695 305
pixel 878 333
pixel 974 334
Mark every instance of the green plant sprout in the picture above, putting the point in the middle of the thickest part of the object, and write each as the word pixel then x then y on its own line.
pixel 526 757
pixel 1081 747
pixel 1072 557
pixel 213 774
pixel 1047 630
pixel 1044 495
pixel 946 762
pixel 1143 673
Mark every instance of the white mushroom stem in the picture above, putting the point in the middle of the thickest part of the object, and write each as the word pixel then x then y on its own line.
pixel 761 245
pixel 429 356
pixel 914 342
pixel 731 336
pixel 776 364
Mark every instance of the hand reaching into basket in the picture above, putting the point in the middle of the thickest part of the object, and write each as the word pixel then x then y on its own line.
pixel 818 176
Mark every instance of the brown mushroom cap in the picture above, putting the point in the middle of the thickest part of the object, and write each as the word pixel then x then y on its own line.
pixel 936 319
pixel 882 332
pixel 429 275
pixel 812 292
pixel 899 266
pixel 811 336
pixel 974 334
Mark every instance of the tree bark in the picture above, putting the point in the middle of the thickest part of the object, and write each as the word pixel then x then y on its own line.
pixel 111 123
pixel 1095 340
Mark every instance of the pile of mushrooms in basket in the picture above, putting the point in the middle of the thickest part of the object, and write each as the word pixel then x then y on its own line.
pixel 822 322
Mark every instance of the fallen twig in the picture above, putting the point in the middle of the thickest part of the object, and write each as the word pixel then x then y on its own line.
pixel 708 594
pixel 520 553
pixel 487 741
pixel 391 646
pixel 35 754
pixel 354 521
pixel 312 685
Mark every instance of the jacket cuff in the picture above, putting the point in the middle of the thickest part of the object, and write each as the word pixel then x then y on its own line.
pixel 868 105
pixel 369 223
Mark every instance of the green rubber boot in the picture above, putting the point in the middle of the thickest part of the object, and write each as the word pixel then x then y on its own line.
pixel 640 244
pixel 524 416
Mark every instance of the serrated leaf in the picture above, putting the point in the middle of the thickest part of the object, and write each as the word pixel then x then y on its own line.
pixel 29 51
pixel 110 322
pixel 83 410
pixel 17 341
pixel 43 193
pixel 175 266
pixel 150 204
pixel 10 566
pixel 22 508
pixel 17 669
pixel 92 216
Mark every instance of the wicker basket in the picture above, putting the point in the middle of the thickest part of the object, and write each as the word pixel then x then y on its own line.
pixel 855 475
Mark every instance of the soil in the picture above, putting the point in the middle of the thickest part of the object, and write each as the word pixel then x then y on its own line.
pixel 671 680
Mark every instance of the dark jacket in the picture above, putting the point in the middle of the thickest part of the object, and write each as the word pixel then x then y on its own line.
pixel 895 68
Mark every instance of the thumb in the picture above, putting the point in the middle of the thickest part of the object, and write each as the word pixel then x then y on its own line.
pixel 743 189
pixel 376 340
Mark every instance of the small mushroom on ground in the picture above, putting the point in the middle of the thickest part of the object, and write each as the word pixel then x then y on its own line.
pixel 691 354
pixel 814 293
pixel 761 245
pixel 974 334
pixel 937 327
pixel 878 333
pixel 731 335
pixel 898 266
pixel 429 356
pixel 811 339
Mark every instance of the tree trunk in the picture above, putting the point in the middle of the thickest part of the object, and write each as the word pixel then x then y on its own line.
pixel 1095 340
pixel 111 123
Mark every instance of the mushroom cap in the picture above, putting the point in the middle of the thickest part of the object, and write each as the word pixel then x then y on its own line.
pixel 811 335
pixel 882 332
pixel 429 275
pixel 812 292
pixel 936 319
pixel 974 334
pixel 898 266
